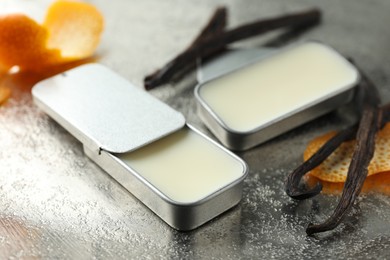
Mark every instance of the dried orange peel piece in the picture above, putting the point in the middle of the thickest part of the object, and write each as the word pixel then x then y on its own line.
pixel 23 43
pixel 74 28
pixel 5 93
pixel 70 32
pixel 379 183
pixel 335 167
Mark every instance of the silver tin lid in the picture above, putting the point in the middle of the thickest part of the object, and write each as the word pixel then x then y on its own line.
pixel 105 111
pixel 230 61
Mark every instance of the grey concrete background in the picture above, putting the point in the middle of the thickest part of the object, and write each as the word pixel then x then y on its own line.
pixel 56 203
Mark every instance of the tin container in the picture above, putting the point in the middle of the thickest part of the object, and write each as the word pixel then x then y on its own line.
pixel 115 120
pixel 224 68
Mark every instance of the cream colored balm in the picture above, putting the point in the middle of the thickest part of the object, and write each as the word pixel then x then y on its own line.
pixel 185 166
pixel 276 87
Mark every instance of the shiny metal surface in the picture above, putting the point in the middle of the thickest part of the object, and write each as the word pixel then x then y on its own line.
pixel 55 203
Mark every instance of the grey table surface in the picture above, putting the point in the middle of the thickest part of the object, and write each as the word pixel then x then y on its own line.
pixel 56 203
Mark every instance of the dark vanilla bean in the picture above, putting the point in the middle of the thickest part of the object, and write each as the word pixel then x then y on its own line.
pixel 361 157
pixel 213 45
pixel 373 118
pixel 357 172
pixel 385 110
pixel 293 180
pixel 216 25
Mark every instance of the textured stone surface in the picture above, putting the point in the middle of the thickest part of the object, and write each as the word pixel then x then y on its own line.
pixel 56 203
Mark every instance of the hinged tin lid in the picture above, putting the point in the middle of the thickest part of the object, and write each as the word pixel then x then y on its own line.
pixel 105 111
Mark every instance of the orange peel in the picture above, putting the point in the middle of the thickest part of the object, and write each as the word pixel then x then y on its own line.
pixel 5 93
pixel 74 28
pixel 71 31
pixel 335 167
pixel 378 183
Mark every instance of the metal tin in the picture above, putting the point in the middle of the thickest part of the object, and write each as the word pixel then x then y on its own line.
pixel 111 117
pixel 181 216
pixel 243 140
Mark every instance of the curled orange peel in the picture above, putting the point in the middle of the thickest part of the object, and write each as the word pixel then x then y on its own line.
pixel 5 93
pixel 74 28
pixel 335 167
pixel 71 31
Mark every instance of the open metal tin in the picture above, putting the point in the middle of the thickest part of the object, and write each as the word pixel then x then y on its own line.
pixel 128 132
pixel 224 69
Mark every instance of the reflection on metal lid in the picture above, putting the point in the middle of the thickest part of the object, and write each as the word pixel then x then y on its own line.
pixel 104 111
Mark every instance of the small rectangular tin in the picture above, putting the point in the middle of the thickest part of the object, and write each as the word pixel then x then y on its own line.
pixel 181 216
pixel 92 102
pixel 243 140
